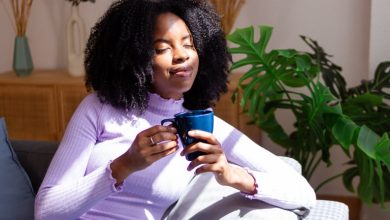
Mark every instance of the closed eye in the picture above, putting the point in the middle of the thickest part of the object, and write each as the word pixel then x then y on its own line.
pixel 161 50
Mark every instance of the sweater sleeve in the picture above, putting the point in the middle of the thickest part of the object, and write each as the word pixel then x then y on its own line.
pixel 277 182
pixel 66 192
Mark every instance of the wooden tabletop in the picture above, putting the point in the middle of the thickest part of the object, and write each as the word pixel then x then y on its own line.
pixel 41 77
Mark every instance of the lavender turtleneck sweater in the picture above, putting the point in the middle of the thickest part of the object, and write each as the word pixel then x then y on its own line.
pixel 79 184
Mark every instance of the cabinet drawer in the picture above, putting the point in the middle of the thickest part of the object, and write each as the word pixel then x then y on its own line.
pixel 29 111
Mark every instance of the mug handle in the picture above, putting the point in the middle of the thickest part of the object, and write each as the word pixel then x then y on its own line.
pixel 172 120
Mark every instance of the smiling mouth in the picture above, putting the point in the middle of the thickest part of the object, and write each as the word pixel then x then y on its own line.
pixel 181 71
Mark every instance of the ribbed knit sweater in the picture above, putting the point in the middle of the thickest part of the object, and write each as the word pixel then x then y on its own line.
pixel 79 184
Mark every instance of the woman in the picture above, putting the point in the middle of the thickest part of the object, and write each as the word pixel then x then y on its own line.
pixel 145 61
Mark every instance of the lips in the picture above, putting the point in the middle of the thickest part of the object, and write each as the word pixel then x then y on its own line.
pixel 181 71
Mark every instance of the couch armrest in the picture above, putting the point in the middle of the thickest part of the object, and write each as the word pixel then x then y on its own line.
pixel 328 210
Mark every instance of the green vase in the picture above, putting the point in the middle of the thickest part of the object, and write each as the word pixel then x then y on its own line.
pixel 22 63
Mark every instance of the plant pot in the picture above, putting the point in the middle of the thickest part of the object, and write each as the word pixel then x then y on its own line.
pixel 22 61
pixel 76 43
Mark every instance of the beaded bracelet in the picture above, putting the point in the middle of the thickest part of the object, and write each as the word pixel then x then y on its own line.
pixel 252 194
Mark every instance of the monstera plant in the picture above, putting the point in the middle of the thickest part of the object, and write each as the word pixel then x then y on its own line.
pixel 327 113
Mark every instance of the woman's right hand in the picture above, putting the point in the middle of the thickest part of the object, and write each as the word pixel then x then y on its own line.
pixel 148 146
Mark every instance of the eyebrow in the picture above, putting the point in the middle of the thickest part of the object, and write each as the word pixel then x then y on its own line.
pixel 162 40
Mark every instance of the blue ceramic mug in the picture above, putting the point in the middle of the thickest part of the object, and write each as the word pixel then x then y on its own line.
pixel 193 120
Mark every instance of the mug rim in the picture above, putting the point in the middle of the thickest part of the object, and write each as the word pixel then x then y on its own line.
pixel 191 113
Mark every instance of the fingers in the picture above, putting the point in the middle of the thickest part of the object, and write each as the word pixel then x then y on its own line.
pixel 150 145
pixel 161 147
pixel 203 135
pixel 215 163
pixel 164 153
pixel 157 129
pixel 161 137
pixel 203 159
pixel 203 147
pixel 211 146
pixel 214 159
pixel 210 168
pixel 162 140
pixel 212 149
pixel 156 134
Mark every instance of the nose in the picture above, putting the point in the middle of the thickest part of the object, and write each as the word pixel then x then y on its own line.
pixel 180 55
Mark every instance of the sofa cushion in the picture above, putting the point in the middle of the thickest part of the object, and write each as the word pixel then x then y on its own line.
pixel 16 192
pixel 35 157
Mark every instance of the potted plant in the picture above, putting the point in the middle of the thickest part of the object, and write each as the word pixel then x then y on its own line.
pixel 327 114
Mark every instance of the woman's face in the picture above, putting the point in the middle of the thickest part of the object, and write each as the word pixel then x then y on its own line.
pixel 175 63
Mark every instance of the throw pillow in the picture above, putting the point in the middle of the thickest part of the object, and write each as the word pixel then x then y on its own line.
pixel 16 192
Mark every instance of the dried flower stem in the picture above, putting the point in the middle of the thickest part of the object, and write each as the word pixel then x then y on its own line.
pixel 21 12
pixel 229 10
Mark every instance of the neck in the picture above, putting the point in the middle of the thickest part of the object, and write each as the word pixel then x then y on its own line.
pixel 165 106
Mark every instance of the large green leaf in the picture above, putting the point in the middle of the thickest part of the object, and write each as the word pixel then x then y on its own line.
pixel 344 131
pixel 382 150
pixel 254 50
pixel 366 170
pixel 367 140
pixel 348 177
pixel 379 172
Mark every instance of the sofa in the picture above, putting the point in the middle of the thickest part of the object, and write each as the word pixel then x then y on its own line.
pixel 204 199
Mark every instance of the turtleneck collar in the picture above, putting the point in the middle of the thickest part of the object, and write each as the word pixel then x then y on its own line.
pixel 166 107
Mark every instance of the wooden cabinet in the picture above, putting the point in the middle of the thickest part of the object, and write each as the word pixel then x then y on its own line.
pixel 39 106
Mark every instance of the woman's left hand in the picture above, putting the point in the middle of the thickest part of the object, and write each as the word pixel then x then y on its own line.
pixel 214 160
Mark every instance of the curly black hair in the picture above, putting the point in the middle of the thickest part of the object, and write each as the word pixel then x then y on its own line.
pixel 119 52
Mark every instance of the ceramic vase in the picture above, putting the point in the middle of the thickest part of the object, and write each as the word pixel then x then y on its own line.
pixel 75 43
pixel 22 61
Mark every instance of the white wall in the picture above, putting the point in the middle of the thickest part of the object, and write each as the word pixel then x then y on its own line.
pixel 379 34
pixel 342 28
